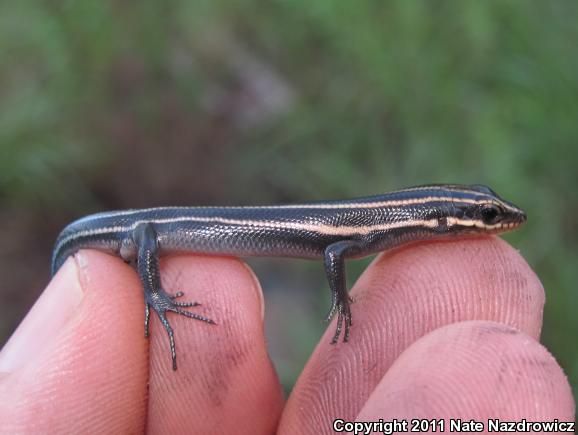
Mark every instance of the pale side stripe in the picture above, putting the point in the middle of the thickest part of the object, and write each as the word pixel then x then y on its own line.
pixel 341 205
pixel 451 221
pixel 322 229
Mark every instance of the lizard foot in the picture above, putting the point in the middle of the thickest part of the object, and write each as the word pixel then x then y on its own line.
pixel 162 302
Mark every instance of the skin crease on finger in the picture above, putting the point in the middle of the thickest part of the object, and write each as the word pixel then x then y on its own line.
pixel 403 295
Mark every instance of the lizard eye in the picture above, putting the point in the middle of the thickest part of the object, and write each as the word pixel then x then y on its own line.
pixel 490 214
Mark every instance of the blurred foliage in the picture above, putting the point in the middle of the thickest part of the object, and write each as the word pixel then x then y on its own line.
pixel 310 100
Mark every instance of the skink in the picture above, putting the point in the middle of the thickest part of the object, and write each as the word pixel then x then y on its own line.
pixel 332 231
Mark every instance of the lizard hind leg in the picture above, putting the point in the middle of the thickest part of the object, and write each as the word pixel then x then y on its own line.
pixel 340 301
pixel 159 300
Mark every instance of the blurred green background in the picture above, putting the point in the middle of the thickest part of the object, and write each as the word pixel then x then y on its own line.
pixel 117 104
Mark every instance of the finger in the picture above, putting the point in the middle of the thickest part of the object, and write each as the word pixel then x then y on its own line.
pixel 403 295
pixel 77 364
pixel 225 381
pixel 473 370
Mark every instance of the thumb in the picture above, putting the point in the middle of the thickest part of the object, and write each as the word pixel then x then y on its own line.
pixel 58 366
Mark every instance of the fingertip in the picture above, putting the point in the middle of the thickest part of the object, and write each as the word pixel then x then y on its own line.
pixel 92 370
pixel 403 295
pixel 473 370
pixel 223 369
pixel 55 306
pixel 433 284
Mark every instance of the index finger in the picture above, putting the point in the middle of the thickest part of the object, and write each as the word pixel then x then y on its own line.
pixel 225 381
pixel 403 295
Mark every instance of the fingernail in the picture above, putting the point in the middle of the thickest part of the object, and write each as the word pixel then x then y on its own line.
pixel 55 306
pixel 258 290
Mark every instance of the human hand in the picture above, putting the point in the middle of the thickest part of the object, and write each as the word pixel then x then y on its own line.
pixel 79 361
